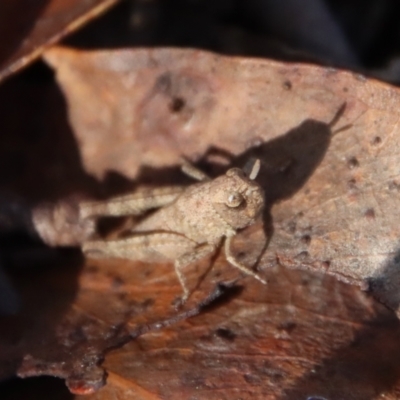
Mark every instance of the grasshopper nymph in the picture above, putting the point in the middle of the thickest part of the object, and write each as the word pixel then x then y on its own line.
pixel 190 222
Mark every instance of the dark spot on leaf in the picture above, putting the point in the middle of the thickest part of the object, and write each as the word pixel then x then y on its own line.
pixel 288 326
pixel 306 239
pixel 117 282
pixel 252 379
pixel 147 303
pixel 292 226
pixel 138 308
pixel 241 254
pixel 163 83
pixel 147 273
pixel 353 163
pixel 393 185
pixel 122 296
pixel 225 333
pixel 302 256
pixel 326 264
pixel 377 140
pixel 177 104
pixel 370 214
pixel 351 183
pixel 287 85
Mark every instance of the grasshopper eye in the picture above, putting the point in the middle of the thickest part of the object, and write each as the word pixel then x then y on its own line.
pixel 235 199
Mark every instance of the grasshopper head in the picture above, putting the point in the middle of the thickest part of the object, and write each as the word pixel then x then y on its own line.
pixel 237 198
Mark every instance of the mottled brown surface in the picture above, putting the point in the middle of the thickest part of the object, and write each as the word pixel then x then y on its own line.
pixel 28 27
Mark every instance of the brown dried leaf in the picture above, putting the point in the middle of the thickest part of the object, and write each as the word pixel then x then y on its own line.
pixel 328 141
pixel 30 27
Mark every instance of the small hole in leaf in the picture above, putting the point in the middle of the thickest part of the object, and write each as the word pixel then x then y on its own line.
pixel 353 163
pixel 177 104
pixel 370 214
pixel 226 334
pixel 117 282
pixel 287 326
pixel 326 264
pixel 306 239
pixel 287 85
pixel 352 183
pixel 377 140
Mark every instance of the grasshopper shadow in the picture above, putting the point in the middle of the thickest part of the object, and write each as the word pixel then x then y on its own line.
pixel 287 162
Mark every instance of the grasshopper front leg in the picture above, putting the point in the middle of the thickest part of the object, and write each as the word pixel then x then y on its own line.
pixel 232 260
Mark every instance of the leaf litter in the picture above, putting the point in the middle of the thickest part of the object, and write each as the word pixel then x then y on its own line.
pixel 329 167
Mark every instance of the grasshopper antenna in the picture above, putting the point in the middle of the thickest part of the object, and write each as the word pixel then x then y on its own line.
pixel 252 168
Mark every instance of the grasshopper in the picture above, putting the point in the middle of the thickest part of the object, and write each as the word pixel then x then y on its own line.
pixel 190 223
